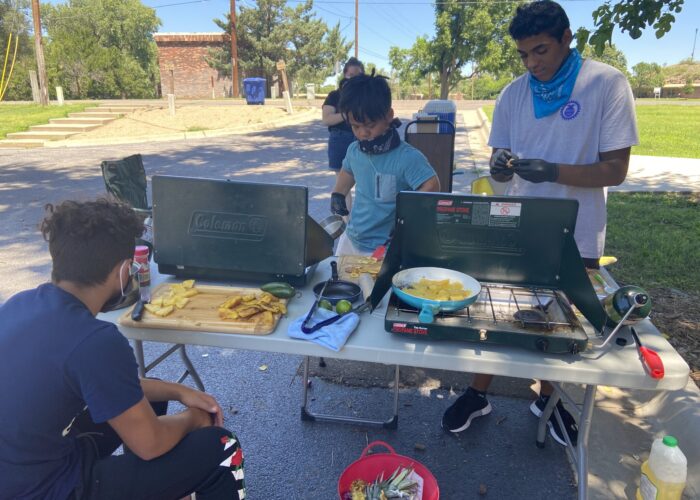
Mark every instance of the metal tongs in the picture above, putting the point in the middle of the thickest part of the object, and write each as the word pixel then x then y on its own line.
pixel 310 329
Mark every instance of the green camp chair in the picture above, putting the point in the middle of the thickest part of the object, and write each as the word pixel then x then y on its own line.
pixel 125 180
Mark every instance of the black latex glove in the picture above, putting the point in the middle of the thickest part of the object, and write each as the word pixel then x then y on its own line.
pixel 338 205
pixel 499 163
pixel 536 170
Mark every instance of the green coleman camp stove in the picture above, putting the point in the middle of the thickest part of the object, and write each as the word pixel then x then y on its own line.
pixel 522 252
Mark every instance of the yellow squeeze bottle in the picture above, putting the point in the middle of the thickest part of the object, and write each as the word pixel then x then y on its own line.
pixel 664 473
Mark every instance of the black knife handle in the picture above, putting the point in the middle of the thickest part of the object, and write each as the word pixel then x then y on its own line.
pixel 137 312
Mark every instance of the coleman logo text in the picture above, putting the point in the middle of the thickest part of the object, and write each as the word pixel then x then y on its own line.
pixel 227 225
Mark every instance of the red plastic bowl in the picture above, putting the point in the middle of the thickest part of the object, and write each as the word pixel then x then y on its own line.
pixel 369 467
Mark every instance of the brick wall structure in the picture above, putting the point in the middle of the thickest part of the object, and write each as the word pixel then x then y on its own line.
pixel 183 68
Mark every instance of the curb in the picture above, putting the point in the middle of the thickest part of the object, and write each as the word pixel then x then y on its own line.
pixel 302 117
pixel 485 125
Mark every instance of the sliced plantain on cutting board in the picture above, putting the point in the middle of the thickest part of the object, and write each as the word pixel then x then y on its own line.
pixel 210 308
pixel 350 267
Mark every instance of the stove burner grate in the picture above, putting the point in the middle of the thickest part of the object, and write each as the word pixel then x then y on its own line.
pixel 498 303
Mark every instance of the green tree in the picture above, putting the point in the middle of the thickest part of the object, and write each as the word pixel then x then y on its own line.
pixel 610 55
pixel 471 34
pixel 631 16
pixel 102 48
pixel 475 32
pixel 646 76
pixel 271 31
pixel 688 88
pixel 13 20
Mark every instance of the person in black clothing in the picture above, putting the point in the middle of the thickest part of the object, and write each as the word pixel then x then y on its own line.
pixel 71 391
pixel 340 133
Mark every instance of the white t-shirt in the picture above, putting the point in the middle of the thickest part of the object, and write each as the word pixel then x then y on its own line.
pixel 598 117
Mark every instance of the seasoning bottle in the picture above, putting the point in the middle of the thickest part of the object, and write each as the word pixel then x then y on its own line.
pixel 144 274
pixel 628 297
pixel 665 473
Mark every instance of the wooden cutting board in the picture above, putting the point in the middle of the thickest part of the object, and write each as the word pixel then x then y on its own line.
pixel 201 313
pixel 351 266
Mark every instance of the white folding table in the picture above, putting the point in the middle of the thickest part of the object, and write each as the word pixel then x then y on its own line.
pixel 613 366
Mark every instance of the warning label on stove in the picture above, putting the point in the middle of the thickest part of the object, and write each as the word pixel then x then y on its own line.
pixel 504 214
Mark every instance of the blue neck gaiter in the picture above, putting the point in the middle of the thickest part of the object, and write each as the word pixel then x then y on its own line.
pixel 548 97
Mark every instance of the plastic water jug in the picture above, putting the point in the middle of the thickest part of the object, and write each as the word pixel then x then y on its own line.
pixel 664 474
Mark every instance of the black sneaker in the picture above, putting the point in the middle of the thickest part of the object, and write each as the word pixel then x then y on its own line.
pixel 537 407
pixel 468 406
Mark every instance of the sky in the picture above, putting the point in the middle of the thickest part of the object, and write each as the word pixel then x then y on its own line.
pixel 387 23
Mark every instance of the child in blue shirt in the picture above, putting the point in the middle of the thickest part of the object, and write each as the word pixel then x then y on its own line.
pixel 379 164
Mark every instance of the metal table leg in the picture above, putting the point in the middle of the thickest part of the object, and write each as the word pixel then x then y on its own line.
pixel 544 418
pixel 584 415
pixel 584 430
pixel 307 415
pixel 189 367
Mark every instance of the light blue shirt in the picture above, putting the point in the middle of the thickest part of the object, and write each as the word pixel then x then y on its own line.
pixel 378 179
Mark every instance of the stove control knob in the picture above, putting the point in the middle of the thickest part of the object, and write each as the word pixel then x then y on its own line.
pixel 542 344
pixel 482 335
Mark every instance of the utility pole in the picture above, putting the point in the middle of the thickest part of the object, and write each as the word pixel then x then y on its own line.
pixel 357 26
pixel 692 54
pixel 39 49
pixel 234 51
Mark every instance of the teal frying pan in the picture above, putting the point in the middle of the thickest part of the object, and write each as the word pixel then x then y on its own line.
pixel 429 308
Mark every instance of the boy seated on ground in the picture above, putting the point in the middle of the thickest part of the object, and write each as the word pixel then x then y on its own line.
pixel 70 387
pixel 379 164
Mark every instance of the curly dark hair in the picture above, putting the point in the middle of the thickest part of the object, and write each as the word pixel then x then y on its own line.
pixel 367 97
pixel 541 16
pixel 87 239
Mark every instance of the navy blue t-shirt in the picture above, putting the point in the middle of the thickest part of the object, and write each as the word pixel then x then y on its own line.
pixel 56 359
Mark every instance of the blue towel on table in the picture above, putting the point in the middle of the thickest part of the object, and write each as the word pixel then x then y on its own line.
pixel 332 336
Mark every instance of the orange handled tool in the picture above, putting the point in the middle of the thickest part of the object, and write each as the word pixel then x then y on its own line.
pixel 650 358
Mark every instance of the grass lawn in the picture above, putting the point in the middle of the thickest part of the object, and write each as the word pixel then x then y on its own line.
pixel 668 130
pixel 656 237
pixel 664 130
pixel 19 117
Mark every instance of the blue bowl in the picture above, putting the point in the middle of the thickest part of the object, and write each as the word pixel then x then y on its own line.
pixel 429 308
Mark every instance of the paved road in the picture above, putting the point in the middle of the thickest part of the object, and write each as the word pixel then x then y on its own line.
pixel 286 459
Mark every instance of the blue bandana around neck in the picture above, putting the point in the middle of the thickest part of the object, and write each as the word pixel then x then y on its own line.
pixel 548 97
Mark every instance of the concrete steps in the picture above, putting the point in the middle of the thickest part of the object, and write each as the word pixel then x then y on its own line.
pixel 114 109
pixel 78 120
pixel 73 128
pixel 95 114
pixel 61 128
pixel 22 143
pixel 46 136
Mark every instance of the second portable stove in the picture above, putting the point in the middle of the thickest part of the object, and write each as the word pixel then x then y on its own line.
pixel 535 291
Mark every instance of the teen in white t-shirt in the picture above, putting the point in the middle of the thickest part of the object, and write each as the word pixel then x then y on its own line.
pixel 564 129
pixel 597 120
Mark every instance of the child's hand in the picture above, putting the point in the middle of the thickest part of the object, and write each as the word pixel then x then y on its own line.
pixel 338 205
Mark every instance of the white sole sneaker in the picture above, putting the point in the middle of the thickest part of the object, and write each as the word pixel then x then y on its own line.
pixel 479 413
pixel 538 413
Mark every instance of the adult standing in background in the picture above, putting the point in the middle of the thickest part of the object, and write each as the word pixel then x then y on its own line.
pixel 340 133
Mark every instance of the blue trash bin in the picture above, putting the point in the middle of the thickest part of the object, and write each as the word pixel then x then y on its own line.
pixel 254 89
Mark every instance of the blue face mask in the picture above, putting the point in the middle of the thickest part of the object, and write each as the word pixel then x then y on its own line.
pixel 548 97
